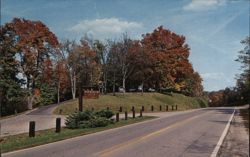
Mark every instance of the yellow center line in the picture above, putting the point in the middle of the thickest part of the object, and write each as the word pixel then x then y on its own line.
pixel 111 150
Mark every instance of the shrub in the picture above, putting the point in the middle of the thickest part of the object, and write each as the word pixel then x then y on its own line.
pixel 86 115
pixel 85 124
pixel 105 113
pixel 72 121
pixel 99 122
pixel 88 119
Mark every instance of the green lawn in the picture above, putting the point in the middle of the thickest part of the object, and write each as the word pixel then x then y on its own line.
pixel 134 99
pixel 21 141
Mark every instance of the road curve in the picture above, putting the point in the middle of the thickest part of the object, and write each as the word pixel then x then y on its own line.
pixel 188 134
pixel 43 116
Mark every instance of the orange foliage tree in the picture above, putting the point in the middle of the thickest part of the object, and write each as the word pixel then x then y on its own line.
pixel 168 54
pixel 36 45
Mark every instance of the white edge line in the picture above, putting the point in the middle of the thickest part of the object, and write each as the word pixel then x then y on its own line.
pixel 217 148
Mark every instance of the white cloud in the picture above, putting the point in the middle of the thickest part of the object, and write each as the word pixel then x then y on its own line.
pixel 202 5
pixel 214 76
pixel 106 27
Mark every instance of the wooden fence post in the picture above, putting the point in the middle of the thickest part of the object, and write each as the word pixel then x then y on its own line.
pixel 133 108
pixel 126 115
pixel 32 128
pixel 58 125
pixel 142 108
pixel 117 117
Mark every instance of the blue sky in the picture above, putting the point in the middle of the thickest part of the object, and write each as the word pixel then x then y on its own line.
pixel 213 28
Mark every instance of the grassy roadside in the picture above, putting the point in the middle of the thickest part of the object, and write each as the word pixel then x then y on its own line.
pixel 22 141
pixel 244 113
pixel 134 99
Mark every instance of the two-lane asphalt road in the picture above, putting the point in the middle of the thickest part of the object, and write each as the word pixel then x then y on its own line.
pixel 187 134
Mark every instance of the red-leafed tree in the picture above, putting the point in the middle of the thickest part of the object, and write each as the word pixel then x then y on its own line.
pixel 84 60
pixel 216 98
pixel 11 93
pixel 61 78
pixel 36 45
pixel 168 54
pixel 142 72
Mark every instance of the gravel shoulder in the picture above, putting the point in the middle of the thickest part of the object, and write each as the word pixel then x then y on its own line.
pixel 236 143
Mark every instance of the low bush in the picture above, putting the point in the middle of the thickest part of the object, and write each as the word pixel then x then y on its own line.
pixel 99 122
pixel 72 121
pixel 86 115
pixel 105 113
pixel 89 119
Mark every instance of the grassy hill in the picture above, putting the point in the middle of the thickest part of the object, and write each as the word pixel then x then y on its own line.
pixel 134 99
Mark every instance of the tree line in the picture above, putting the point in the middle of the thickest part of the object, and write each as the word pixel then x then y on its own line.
pixel 37 69
pixel 240 94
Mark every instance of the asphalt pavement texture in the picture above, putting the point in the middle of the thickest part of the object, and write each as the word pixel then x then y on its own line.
pixel 43 116
pixel 180 134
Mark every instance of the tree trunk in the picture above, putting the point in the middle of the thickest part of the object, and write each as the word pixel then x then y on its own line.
pixel 124 84
pixel 74 87
pixel 142 88
pixel 30 100
pixel 28 83
pixel 73 84
pixel 114 84
pixel 30 96
pixel 58 93
pixel 105 82
pixel 80 98
pixel 1 95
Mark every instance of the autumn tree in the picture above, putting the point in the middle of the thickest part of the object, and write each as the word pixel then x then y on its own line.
pixel 243 80
pixel 168 54
pixel 36 45
pixel 124 52
pixel 66 48
pixel 142 71
pixel 103 54
pixel 193 84
pixel 61 78
pixel 112 64
pixel 216 98
pixel 11 94
pixel 87 70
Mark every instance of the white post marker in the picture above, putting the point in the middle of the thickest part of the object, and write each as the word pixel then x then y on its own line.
pixel 217 148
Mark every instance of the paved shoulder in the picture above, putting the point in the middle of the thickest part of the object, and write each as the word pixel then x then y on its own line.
pixel 236 142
